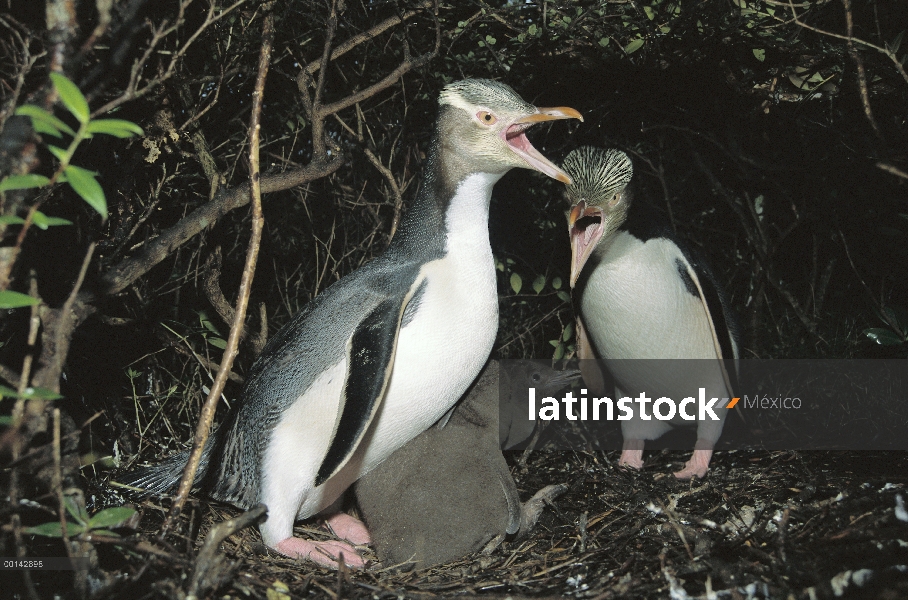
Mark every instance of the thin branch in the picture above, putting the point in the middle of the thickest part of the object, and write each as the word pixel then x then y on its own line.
pixel 893 170
pixel 367 35
pixel 859 65
pixel 127 271
pixel 233 340
pixel 318 123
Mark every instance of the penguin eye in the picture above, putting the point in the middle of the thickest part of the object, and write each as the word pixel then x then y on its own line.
pixel 486 118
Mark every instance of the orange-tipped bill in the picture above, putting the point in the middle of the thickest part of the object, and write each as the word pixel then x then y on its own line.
pixel 586 227
pixel 515 137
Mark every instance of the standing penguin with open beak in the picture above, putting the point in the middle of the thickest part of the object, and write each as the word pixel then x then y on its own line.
pixel 382 353
pixel 642 293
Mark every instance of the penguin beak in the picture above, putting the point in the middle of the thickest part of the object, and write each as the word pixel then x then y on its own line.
pixel 514 136
pixel 586 227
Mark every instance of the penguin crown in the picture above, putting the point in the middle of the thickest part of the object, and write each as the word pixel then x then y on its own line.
pixel 598 174
pixel 470 93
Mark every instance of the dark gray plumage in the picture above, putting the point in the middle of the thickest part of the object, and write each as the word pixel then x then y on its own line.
pixel 449 492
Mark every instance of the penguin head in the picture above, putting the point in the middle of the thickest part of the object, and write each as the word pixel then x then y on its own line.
pixel 486 122
pixel 599 197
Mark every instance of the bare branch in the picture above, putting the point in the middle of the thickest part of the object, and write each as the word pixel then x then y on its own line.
pixel 156 250
pixel 859 64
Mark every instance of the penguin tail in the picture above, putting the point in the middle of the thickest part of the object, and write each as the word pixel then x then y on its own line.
pixel 160 478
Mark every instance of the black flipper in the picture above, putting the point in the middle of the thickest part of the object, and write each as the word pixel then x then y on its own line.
pixel 370 358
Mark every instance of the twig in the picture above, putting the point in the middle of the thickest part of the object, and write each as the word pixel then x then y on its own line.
pixel 233 340
pixel 318 123
pixel 58 483
pixel 892 170
pixel 859 65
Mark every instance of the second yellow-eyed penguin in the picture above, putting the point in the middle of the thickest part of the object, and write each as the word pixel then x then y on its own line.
pixel 382 353
pixel 641 293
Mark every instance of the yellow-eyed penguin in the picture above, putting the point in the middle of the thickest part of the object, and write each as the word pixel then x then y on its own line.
pixel 641 293
pixel 384 352
pixel 448 492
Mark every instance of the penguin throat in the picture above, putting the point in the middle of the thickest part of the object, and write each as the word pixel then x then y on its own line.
pixel 467 213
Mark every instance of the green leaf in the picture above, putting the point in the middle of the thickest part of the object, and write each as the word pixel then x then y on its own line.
pixel 556 283
pixel 39 115
pixel 554 343
pixel 650 14
pixel 76 510
pixel 539 283
pixel 115 127
pixel 4 420
pixel 11 220
pixel 11 299
pixel 23 182
pixel 759 54
pixel 53 529
pixel 896 43
pixel 883 337
pixel 490 40
pixel 559 352
pixel 568 332
pixel 564 296
pixel 634 45
pixel 532 29
pixel 71 97
pixel 603 42
pixel 84 183
pixel 111 517
pixel 217 342
pixel 60 154
pixel 43 221
pixel 516 282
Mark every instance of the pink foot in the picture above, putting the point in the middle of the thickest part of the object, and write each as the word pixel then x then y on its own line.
pixel 323 553
pixel 696 466
pixel 348 528
pixel 631 458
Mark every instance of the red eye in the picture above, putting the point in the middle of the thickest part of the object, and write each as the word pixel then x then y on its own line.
pixel 486 118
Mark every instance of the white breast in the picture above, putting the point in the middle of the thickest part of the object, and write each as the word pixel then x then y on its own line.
pixel 636 306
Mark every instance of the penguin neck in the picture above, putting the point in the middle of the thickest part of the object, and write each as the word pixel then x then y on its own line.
pixel 452 203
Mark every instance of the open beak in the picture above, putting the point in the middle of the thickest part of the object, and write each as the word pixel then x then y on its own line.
pixel 585 226
pixel 515 137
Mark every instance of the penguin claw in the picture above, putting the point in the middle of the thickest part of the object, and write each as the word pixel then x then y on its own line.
pixel 349 528
pixel 323 553
pixel 697 466
pixel 631 458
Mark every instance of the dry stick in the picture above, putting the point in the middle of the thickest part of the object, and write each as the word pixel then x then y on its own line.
pixel 58 483
pixel 859 64
pixel 233 340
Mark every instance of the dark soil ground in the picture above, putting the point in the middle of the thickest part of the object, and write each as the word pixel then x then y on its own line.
pixel 761 525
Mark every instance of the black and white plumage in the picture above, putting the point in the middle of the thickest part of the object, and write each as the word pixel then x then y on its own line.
pixel 384 352
pixel 448 492
pixel 641 293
